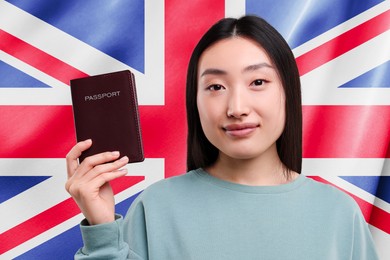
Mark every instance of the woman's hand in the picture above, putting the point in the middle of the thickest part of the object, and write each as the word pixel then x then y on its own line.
pixel 88 183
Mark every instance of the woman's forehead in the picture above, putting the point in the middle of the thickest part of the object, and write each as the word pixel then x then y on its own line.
pixel 237 51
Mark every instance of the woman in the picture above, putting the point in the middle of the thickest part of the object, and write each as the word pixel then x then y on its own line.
pixel 243 197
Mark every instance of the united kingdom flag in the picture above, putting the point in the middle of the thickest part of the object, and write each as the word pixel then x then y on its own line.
pixel 342 50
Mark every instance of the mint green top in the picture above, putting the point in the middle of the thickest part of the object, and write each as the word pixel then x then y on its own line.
pixel 197 216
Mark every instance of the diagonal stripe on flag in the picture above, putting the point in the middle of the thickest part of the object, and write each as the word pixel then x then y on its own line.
pixel 54 216
pixel 38 59
pixel 343 43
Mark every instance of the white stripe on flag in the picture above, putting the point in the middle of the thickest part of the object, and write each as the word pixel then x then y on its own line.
pixel 320 86
pixel 342 28
pixel 382 242
pixel 35 200
pixel 234 8
pixel 346 167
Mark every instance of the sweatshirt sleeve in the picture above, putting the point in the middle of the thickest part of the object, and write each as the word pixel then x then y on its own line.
pixel 104 241
pixel 363 244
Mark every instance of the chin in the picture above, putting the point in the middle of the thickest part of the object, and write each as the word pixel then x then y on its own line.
pixel 248 153
pixel 241 155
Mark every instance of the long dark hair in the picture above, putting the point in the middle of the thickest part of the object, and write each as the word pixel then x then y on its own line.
pixel 200 152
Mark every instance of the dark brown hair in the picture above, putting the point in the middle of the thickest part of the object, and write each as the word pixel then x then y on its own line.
pixel 200 152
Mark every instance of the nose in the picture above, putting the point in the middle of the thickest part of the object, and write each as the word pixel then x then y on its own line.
pixel 238 104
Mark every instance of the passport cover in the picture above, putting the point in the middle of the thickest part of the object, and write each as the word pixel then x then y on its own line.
pixel 105 109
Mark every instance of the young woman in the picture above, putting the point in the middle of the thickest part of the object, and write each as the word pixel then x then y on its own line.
pixel 243 197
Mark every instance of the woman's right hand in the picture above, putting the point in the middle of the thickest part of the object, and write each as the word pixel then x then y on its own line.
pixel 88 182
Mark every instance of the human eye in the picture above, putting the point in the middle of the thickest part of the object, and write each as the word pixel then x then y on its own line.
pixel 258 82
pixel 215 87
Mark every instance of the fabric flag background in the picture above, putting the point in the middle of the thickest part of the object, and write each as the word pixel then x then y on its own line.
pixel 342 50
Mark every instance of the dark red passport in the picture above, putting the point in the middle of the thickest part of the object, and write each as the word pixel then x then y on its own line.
pixel 105 110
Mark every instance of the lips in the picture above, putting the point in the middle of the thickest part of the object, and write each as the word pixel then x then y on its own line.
pixel 240 130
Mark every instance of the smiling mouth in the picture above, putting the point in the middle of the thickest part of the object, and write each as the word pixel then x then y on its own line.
pixel 240 130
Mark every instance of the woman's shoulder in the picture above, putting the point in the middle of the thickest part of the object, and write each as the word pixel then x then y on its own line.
pixel 326 193
pixel 168 187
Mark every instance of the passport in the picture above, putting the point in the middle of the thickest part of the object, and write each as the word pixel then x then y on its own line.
pixel 105 109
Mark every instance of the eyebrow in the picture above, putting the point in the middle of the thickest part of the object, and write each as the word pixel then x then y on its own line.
pixel 214 71
pixel 257 66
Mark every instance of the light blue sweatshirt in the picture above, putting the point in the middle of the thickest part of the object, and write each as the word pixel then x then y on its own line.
pixel 197 216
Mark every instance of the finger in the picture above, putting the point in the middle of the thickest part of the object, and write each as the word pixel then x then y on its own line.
pixel 98 159
pixel 74 154
pixel 105 168
pixel 85 186
pixel 110 167
pixel 106 177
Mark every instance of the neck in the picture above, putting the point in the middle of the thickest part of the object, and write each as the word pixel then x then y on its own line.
pixel 265 170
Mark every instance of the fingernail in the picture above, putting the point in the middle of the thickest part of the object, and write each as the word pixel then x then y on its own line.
pixel 115 153
pixel 88 141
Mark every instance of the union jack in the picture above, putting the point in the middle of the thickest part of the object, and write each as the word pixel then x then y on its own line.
pixel 343 57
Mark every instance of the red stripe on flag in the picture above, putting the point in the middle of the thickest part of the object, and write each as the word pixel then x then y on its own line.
pixel 373 215
pixel 182 32
pixel 346 131
pixel 53 217
pixel 36 131
pixel 343 43
pixel 48 131
pixel 185 23
pixel 38 59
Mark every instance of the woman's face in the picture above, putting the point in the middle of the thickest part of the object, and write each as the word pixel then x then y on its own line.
pixel 240 99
